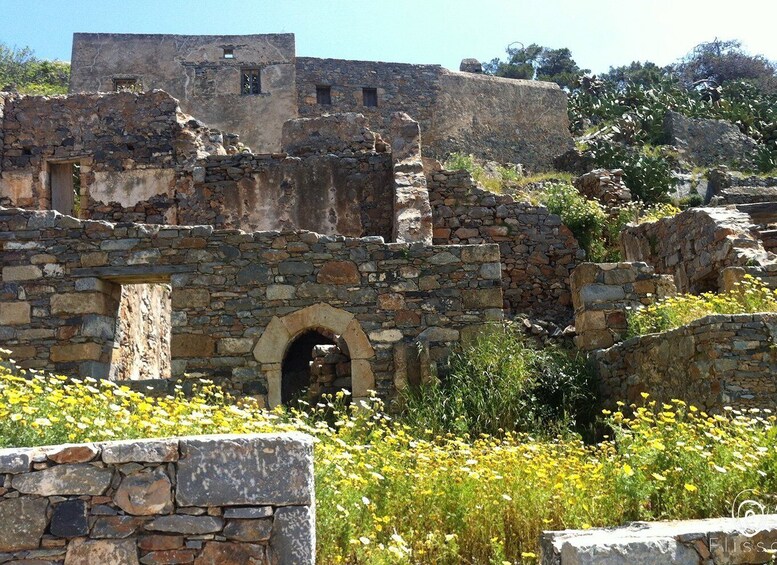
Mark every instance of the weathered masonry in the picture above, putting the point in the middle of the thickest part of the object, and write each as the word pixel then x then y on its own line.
pixel 252 84
pixel 200 499
pixel 240 300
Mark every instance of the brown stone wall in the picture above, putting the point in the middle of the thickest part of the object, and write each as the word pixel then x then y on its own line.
pixel 194 70
pixel 203 499
pixel 604 293
pixel 717 361
pixel 538 252
pixel 499 119
pixel 227 287
pixel 696 246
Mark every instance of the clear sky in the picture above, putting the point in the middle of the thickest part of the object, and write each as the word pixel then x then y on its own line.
pixel 600 33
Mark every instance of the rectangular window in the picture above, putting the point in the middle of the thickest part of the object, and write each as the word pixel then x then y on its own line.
pixel 250 81
pixel 229 53
pixel 370 96
pixel 324 95
pixel 126 85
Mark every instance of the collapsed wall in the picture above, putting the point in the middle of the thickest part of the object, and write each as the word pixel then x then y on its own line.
pixel 200 499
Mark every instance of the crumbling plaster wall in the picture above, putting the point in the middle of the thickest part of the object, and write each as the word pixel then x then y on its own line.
pixel 501 119
pixel 193 69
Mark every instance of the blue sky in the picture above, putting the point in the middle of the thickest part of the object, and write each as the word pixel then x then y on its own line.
pixel 600 33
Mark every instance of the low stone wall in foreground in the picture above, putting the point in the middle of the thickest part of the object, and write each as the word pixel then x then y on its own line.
pixel 226 499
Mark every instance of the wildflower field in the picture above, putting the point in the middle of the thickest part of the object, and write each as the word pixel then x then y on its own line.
pixel 390 493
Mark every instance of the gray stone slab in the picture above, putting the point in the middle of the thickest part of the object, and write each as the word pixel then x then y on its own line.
pixel 15 460
pixel 232 470
pixel 294 535
pixel 23 522
pixel 191 525
pixel 142 450
pixel 80 552
pixel 76 480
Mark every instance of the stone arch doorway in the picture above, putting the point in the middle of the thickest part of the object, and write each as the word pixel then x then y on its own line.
pixel 281 333
pixel 303 372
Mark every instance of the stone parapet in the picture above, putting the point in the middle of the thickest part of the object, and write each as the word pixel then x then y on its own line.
pixel 229 499
pixel 604 293
pixel 716 361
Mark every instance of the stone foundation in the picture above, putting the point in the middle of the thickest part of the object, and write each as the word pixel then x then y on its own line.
pixel 226 499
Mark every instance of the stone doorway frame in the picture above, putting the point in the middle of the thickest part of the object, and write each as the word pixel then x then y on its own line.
pixel 281 332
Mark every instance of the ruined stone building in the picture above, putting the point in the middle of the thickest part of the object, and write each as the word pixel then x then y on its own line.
pixel 139 240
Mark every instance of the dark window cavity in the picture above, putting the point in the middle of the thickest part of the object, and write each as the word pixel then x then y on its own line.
pixel 229 53
pixel 324 95
pixel 250 81
pixel 370 97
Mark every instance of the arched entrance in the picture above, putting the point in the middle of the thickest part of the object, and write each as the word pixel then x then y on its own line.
pixel 303 374
pixel 281 334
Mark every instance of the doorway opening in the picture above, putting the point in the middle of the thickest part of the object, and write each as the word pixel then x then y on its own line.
pixel 65 184
pixel 316 363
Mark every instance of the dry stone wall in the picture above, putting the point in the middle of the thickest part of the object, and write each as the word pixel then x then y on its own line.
pixel 538 252
pixel 696 246
pixel 229 289
pixel 230 499
pixel 717 361
pixel 604 293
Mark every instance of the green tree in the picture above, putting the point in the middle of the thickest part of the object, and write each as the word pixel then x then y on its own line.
pixel 723 61
pixel 645 74
pixel 536 62
pixel 22 71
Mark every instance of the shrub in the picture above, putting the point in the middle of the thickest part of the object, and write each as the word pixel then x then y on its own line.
pixel 750 295
pixel 502 383
pixel 585 218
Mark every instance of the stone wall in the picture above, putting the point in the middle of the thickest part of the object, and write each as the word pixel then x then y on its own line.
pixel 603 294
pixel 239 299
pixel 499 119
pixel 329 194
pixel 696 246
pixel 538 252
pixel 720 541
pixel 128 147
pixel 228 499
pixel 198 71
pixel 717 361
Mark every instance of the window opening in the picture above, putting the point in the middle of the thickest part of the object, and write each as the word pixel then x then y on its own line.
pixel 250 81
pixel 370 96
pixel 324 95
pixel 229 53
pixel 314 365
pixel 126 85
pixel 65 185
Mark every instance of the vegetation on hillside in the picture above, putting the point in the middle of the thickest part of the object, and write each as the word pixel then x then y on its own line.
pixel 618 116
pixel 748 296
pixel 22 71
pixel 389 491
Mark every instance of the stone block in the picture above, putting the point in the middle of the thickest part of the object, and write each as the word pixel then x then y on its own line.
pixel 72 453
pixel 482 298
pixel 145 493
pixel 14 313
pixel 24 521
pixel 294 535
pixel 192 345
pixel 280 292
pixel 73 303
pixel 65 480
pixel 480 254
pixel 386 336
pixel 15 460
pixel 248 530
pixel 439 334
pixel 21 273
pixel 590 320
pixel 95 325
pixel 140 450
pixel 391 301
pixel 362 378
pixel 81 552
pixel 339 272
pixel 260 469
pixel 185 298
pixel 69 519
pixel 231 553
pixel 248 512
pixel 118 527
pixel 235 345
pixel 76 352
pixel 600 293
pixel 188 525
